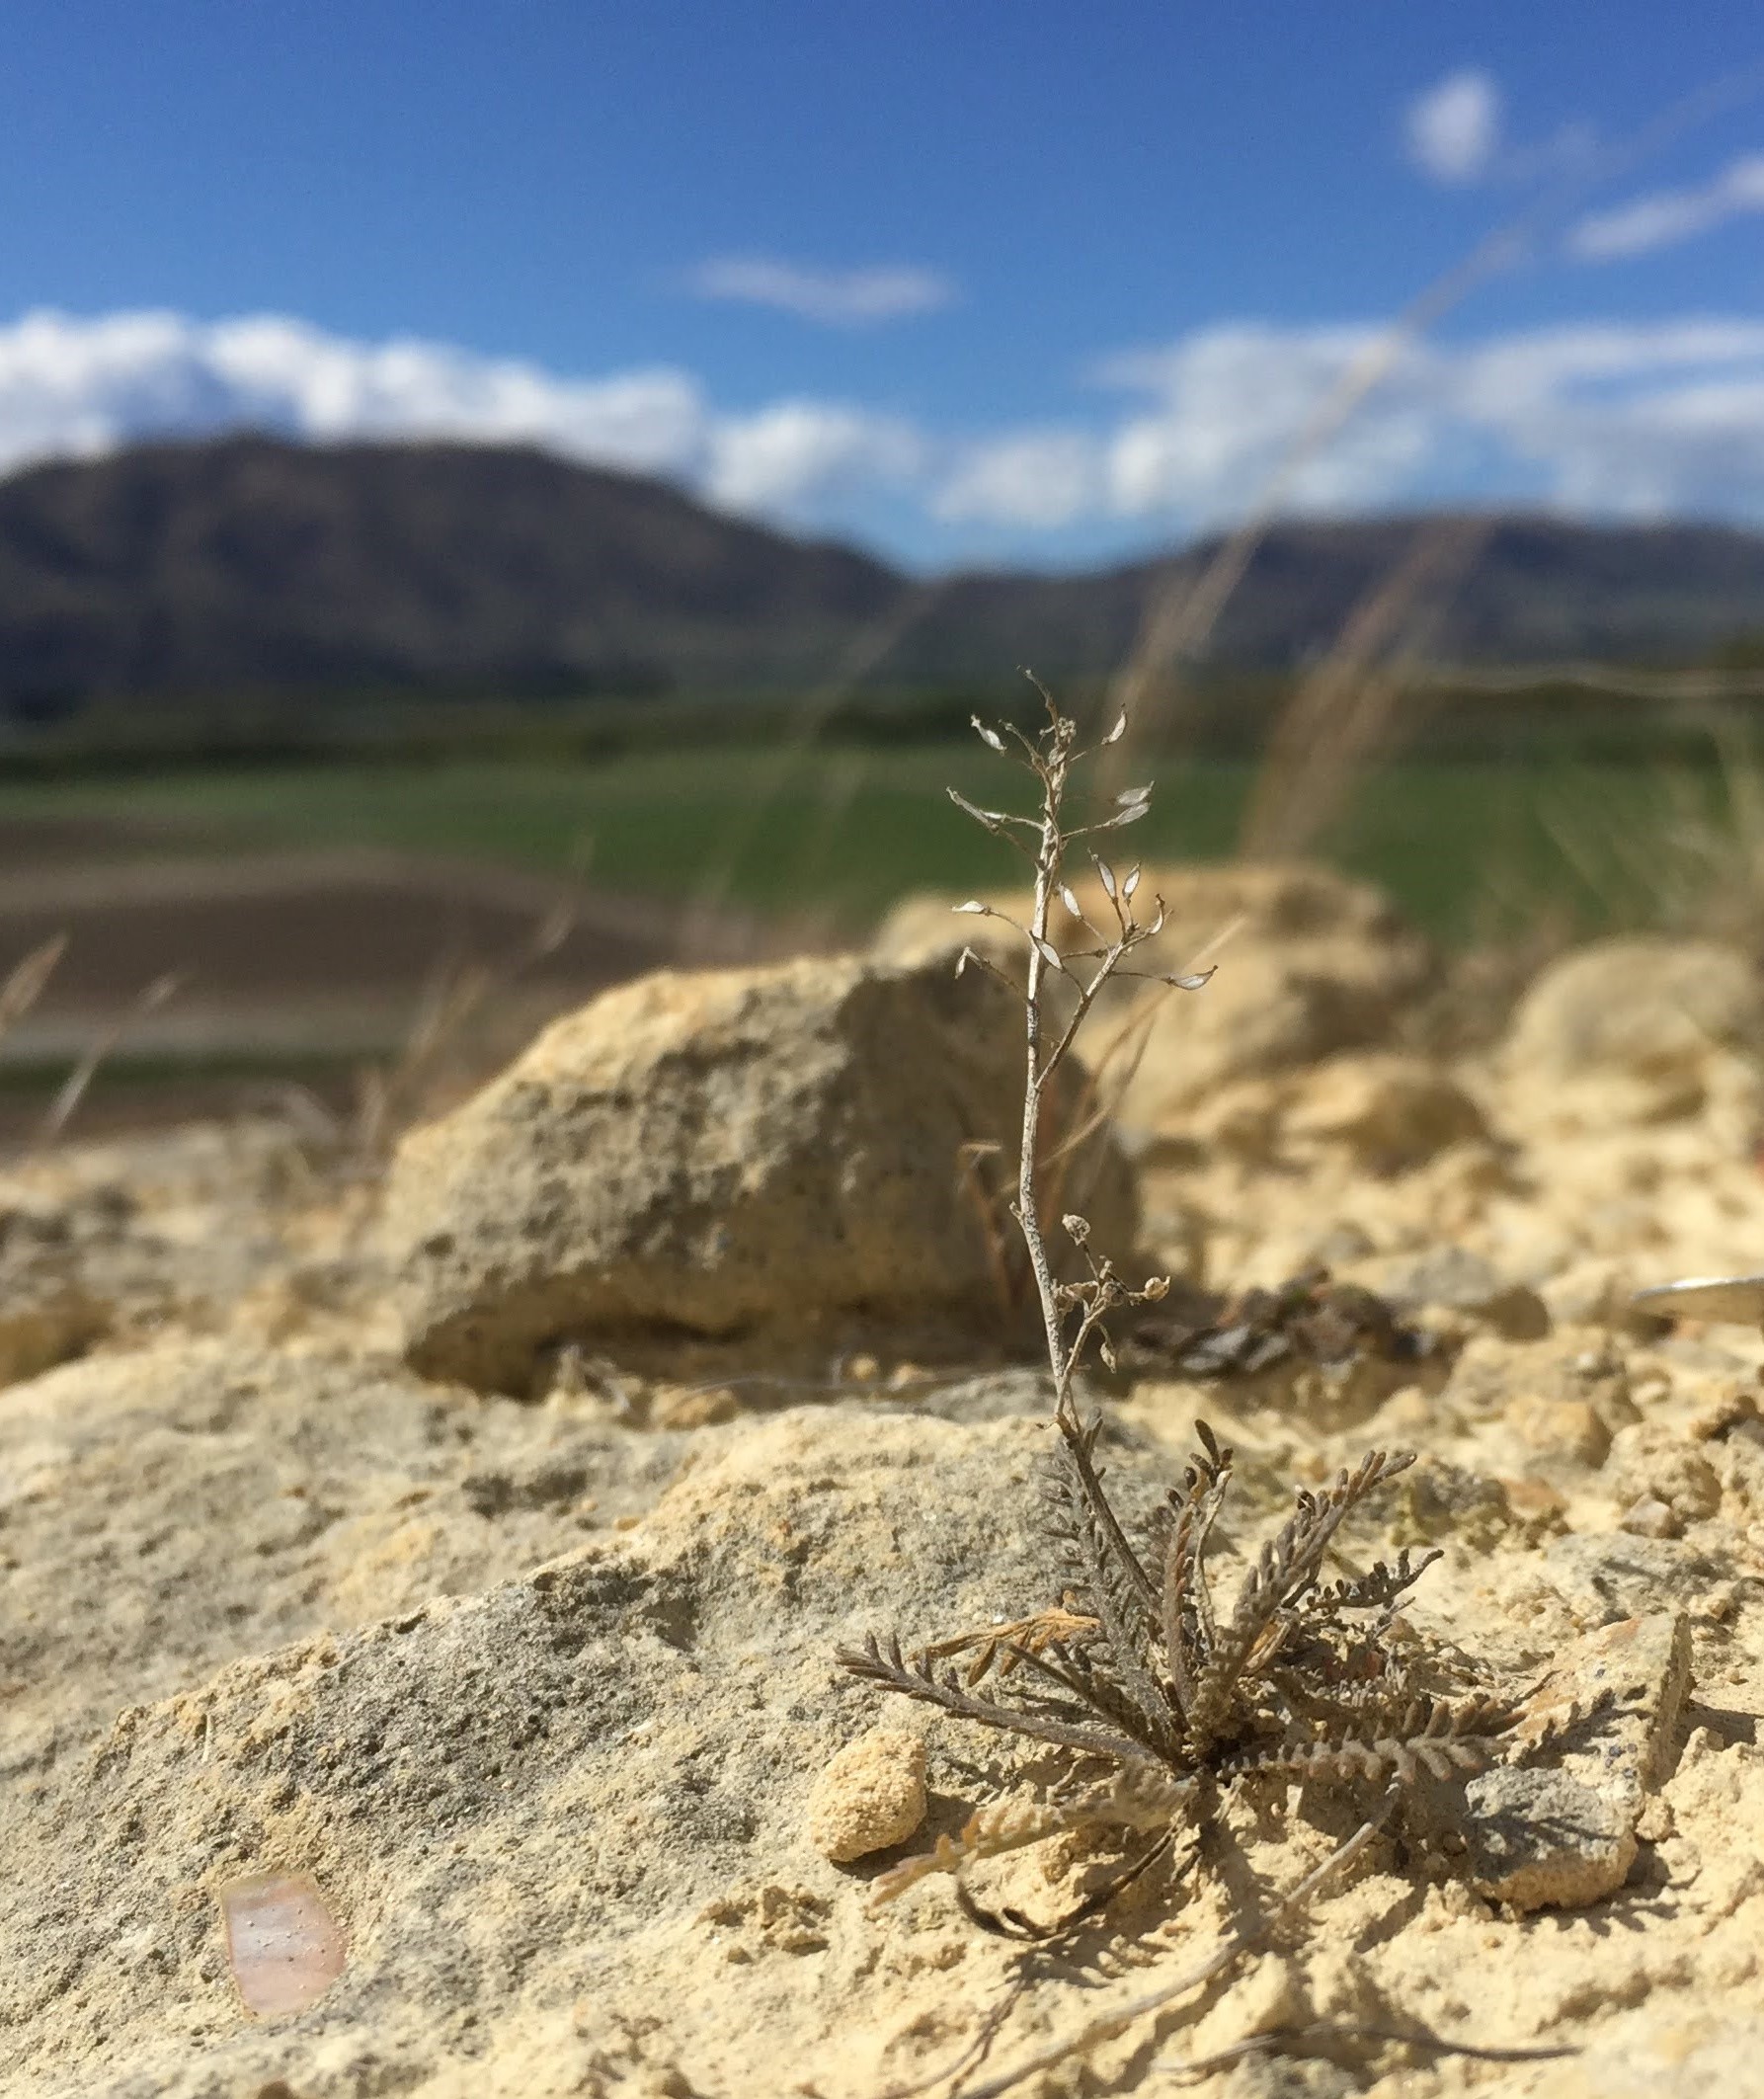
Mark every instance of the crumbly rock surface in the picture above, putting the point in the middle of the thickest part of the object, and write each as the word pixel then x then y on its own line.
pixel 525 1652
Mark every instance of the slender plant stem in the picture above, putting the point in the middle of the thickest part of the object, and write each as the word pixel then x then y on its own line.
pixel 1051 757
pixel 1047 869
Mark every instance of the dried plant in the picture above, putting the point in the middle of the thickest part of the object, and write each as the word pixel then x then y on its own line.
pixel 1138 1667
pixel 20 990
pixel 1045 839
pixel 1141 1668
pixel 1350 708
pixel 1136 1664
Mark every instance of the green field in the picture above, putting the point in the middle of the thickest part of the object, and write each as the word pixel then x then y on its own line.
pixel 1468 846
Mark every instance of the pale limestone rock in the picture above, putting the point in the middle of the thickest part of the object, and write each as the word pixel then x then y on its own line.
pixel 45 1320
pixel 1543 1840
pixel 106 1242
pixel 1649 1517
pixel 1566 1837
pixel 724 1153
pixel 1390 1111
pixel 1308 963
pixel 1632 1679
pixel 1571 1431
pixel 167 1510
pixel 871 1796
pixel 1648 1459
pixel 925 928
pixel 66 1269
pixel 1448 1278
pixel 1650 1008
pixel 573 1764
pixel 1658 2053
pixel 1606 1576
pixel 1596 1293
pixel 1272 1006
pixel 1242 1118
pixel 1434 1500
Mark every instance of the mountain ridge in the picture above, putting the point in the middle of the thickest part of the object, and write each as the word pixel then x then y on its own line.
pixel 249 564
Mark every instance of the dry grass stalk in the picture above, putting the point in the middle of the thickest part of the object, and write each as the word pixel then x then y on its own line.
pixel 1343 710
pixel 75 1087
pixel 1701 869
pixel 389 1098
pixel 1179 619
pixel 24 982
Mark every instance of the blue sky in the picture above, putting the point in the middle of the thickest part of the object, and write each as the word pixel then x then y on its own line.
pixel 990 282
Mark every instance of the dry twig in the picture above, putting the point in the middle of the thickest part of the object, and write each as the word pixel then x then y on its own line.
pixel 1044 837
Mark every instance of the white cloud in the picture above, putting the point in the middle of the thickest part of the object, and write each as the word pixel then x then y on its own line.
pixel 68 384
pixel 1452 130
pixel 1668 216
pixel 799 454
pixel 1228 405
pixel 1041 479
pixel 838 298
pixel 1626 420
pixel 76 386
pixel 1621 419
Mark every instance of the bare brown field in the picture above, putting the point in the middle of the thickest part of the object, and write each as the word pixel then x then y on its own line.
pixel 295 964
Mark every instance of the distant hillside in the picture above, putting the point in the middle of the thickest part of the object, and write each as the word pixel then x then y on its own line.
pixel 1531 589
pixel 249 565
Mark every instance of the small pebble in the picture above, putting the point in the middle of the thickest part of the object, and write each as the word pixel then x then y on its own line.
pixel 692 1406
pixel 1648 1516
pixel 871 1796
pixel 1560 1428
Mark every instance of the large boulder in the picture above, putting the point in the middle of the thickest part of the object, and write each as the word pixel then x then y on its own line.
pixel 1387 1110
pixel 1640 1061
pixel 724 1153
pixel 1309 963
pixel 1647 1008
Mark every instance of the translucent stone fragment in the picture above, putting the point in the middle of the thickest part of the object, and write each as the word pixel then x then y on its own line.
pixel 284 1947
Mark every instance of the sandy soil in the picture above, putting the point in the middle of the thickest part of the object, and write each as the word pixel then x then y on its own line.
pixel 536 1697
